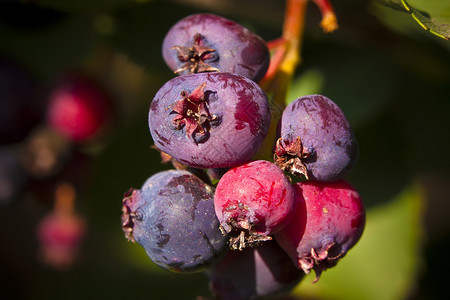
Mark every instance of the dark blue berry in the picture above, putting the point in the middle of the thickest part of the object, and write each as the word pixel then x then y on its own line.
pixel 172 216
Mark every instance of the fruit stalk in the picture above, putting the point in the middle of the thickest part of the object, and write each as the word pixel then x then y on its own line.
pixel 281 70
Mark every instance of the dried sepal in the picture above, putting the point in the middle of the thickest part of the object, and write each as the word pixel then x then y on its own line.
pixel 289 154
pixel 192 113
pixel 320 260
pixel 242 236
pixel 128 215
pixel 194 57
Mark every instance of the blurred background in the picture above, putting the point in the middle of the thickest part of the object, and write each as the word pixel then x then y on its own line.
pixel 390 77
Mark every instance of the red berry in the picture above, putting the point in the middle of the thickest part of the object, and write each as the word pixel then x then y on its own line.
pixel 60 236
pixel 328 221
pixel 254 200
pixel 79 108
pixel 61 232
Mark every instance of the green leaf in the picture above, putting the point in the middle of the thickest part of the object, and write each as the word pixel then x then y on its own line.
pixel 385 263
pixel 309 82
pixel 346 76
pixel 431 15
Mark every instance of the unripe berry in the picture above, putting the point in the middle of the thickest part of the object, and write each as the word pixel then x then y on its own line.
pixel 328 221
pixel 253 201
pixel 79 109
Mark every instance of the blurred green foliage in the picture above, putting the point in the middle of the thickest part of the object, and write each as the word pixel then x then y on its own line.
pixel 390 77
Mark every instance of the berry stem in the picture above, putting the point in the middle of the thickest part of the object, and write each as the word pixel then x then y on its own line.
pixel 284 62
pixel 329 20
pixel 64 199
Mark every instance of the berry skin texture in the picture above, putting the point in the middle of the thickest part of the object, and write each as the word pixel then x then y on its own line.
pixel 329 220
pixel 207 42
pixel 209 120
pixel 172 217
pixel 79 109
pixel 316 140
pixel 253 201
pixel 254 273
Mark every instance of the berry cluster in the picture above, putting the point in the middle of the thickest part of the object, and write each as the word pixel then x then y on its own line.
pixel 46 133
pixel 254 226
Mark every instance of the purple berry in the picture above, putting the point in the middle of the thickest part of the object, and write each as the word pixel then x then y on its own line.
pixel 209 120
pixel 206 42
pixel 253 201
pixel 329 220
pixel 173 218
pixel 316 140
pixel 254 273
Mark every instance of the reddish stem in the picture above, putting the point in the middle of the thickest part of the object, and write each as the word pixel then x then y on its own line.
pixel 64 199
pixel 329 20
pixel 283 64
pixel 273 44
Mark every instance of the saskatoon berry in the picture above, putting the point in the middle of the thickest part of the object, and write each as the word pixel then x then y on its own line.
pixel 61 232
pixel 254 273
pixel 253 201
pixel 173 218
pixel 206 42
pixel 209 120
pixel 79 108
pixel 328 221
pixel 60 236
pixel 316 140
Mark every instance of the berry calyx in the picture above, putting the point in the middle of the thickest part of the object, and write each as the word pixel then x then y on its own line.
pixel 289 153
pixel 196 57
pixel 192 111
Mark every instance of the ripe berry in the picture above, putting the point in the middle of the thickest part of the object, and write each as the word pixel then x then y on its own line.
pixel 265 271
pixel 328 221
pixel 209 120
pixel 79 109
pixel 316 140
pixel 206 42
pixel 173 218
pixel 253 201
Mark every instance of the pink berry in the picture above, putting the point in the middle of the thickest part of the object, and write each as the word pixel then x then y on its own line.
pixel 60 236
pixel 253 201
pixel 79 108
pixel 328 221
